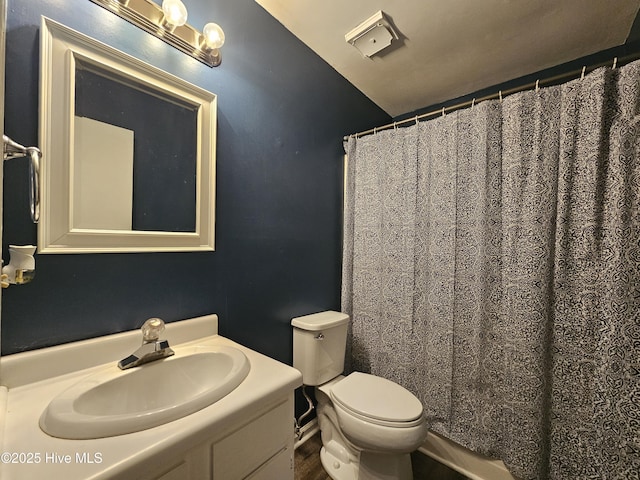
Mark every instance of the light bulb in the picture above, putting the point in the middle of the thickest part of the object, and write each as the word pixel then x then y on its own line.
pixel 175 13
pixel 213 35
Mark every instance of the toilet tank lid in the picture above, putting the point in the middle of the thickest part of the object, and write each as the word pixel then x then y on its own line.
pixel 320 321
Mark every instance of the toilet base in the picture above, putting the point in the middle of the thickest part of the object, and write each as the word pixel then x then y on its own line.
pixel 372 466
pixel 381 466
pixel 336 468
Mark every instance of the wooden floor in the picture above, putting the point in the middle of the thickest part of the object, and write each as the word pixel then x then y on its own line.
pixel 308 466
pixel 307 460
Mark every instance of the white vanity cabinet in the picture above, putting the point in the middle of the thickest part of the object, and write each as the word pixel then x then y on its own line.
pixel 261 448
pixel 247 434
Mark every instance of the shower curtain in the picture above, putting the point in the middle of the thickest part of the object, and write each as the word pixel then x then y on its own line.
pixel 492 267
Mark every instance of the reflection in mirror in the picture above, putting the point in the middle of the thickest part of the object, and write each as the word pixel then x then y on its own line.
pixel 102 176
pixel 130 152
pixel 163 154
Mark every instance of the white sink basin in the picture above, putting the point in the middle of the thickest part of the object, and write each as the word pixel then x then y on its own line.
pixel 114 402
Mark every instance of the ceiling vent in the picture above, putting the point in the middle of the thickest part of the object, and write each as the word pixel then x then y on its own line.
pixel 372 35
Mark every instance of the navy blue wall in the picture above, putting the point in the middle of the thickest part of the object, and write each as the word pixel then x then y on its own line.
pixel 282 113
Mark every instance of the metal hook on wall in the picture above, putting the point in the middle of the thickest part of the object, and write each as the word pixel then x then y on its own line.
pixel 15 150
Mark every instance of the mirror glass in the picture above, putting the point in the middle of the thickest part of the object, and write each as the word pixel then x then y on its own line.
pixel 123 160
pixel 130 152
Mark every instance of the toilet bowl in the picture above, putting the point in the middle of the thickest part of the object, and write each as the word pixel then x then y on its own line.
pixel 369 425
pixel 377 414
pixel 366 434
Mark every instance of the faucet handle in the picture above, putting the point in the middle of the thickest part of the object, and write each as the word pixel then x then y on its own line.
pixel 151 330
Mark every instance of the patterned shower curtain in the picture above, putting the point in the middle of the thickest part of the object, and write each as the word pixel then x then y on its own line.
pixel 492 267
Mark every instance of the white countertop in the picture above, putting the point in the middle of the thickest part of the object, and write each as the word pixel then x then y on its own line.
pixel 27 452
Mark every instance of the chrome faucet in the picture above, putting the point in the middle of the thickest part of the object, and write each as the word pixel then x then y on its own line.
pixel 152 347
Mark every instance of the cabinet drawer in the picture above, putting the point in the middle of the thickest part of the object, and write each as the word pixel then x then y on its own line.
pixel 243 451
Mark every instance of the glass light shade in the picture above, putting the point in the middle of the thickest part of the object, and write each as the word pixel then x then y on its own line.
pixel 213 35
pixel 175 13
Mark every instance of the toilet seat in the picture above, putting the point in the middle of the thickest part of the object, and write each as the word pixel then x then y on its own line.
pixel 377 400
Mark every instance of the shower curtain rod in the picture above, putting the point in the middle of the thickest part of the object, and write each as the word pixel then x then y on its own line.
pixel 500 94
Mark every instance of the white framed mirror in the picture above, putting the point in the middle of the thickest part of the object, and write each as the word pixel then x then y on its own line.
pixel 128 152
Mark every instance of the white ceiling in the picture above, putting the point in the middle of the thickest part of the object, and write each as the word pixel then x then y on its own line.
pixel 449 48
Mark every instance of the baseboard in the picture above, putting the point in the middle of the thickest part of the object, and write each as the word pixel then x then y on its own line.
pixel 463 460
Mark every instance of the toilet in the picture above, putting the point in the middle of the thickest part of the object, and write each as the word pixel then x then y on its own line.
pixel 369 425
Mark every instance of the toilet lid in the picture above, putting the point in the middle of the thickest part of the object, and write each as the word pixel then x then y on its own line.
pixel 377 398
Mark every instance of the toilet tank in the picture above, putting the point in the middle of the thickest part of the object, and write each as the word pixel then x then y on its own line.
pixel 319 343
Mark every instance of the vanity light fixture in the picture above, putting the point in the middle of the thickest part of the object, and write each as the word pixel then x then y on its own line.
pixel 169 23
pixel 175 13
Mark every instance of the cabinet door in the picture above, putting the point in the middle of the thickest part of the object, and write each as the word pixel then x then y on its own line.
pixel 194 465
pixel 280 467
pixel 179 472
pixel 244 451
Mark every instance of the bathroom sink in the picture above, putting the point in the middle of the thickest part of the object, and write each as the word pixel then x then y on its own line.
pixel 114 402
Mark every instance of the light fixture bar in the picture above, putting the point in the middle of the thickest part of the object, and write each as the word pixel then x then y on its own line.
pixel 149 16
